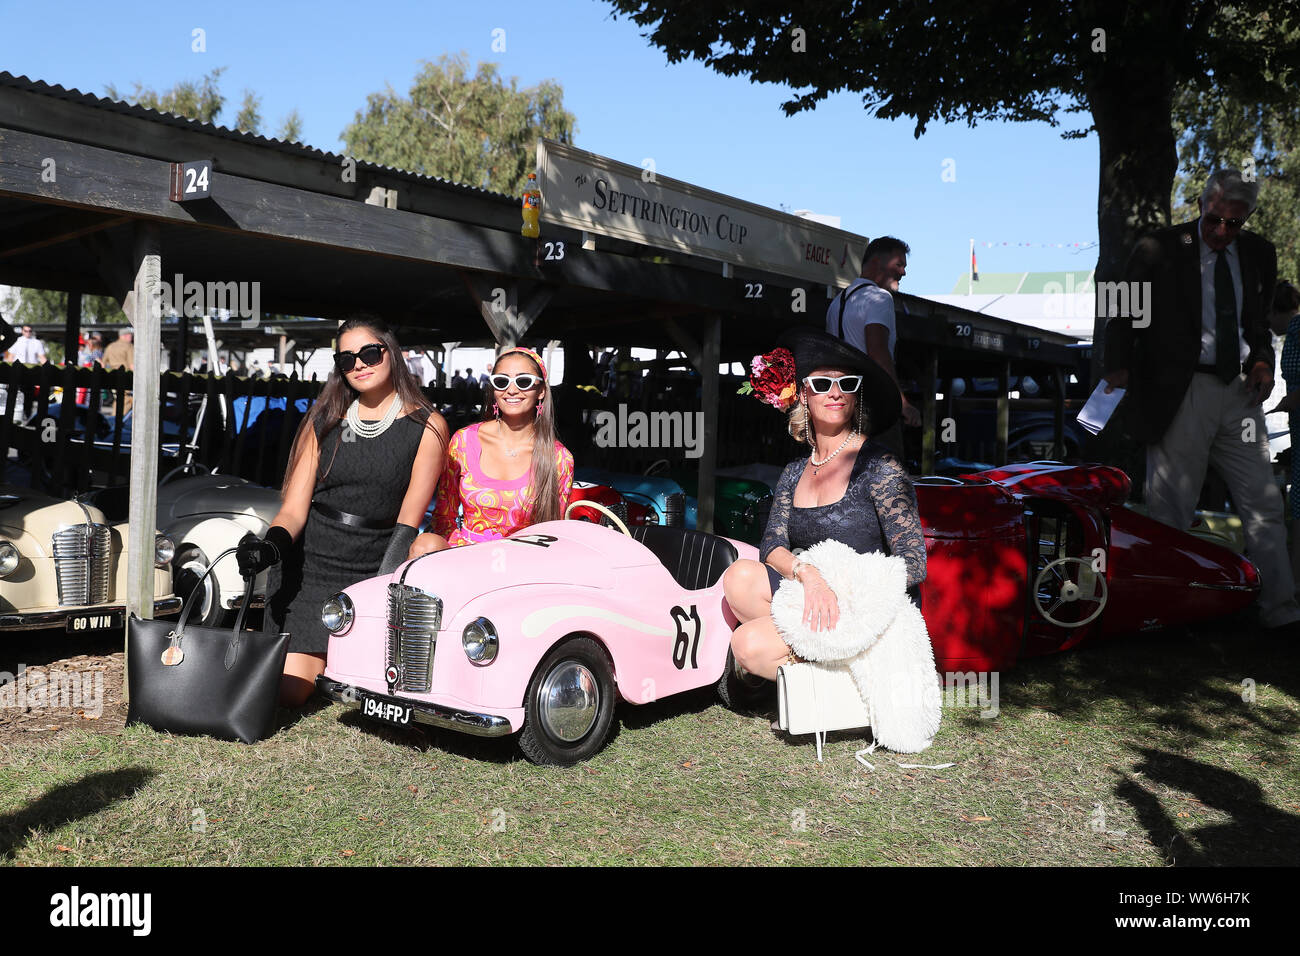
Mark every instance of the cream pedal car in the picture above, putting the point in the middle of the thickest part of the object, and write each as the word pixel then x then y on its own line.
pixel 205 515
pixel 62 564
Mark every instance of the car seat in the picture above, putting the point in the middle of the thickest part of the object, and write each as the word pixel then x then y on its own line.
pixel 695 559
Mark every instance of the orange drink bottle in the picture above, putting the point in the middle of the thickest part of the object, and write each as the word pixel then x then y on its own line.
pixel 532 209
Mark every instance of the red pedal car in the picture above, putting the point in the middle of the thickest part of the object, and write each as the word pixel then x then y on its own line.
pixel 1035 558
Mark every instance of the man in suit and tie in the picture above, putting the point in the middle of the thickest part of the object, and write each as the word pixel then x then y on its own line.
pixel 1197 365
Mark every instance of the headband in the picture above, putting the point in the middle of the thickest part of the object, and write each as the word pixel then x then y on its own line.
pixel 527 351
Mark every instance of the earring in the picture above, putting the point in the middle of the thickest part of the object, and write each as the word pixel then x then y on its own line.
pixel 807 425
pixel 859 411
pixel 496 412
pixel 539 406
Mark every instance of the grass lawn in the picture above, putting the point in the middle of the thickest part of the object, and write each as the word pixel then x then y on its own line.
pixel 1141 752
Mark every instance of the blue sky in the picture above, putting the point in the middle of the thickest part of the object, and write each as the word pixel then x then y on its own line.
pixel 1013 182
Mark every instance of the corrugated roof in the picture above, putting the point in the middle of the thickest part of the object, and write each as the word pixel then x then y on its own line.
pixel 222 132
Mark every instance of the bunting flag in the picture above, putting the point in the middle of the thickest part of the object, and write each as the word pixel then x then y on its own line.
pixel 987 244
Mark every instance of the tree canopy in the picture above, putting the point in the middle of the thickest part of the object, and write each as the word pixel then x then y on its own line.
pixel 956 61
pixel 203 100
pixel 470 128
pixel 1215 130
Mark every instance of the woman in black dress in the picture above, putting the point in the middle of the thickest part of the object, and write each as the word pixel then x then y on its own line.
pixel 849 489
pixel 362 472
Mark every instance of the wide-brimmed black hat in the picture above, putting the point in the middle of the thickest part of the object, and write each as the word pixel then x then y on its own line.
pixel 813 349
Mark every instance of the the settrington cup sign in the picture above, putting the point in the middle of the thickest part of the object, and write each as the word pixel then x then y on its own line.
pixel 584 191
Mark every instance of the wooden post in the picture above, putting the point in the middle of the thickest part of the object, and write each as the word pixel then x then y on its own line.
pixel 1058 414
pixel 929 411
pixel 146 318
pixel 710 356
pixel 142 308
pixel 497 298
pixel 182 341
pixel 72 329
pixel 1004 413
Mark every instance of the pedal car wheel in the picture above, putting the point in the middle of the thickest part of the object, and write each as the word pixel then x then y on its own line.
pixel 188 567
pixel 740 690
pixel 569 707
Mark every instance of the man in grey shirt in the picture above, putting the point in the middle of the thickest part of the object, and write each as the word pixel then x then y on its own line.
pixel 863 316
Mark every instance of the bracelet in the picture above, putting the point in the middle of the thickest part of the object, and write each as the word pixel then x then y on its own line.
pixel 799 565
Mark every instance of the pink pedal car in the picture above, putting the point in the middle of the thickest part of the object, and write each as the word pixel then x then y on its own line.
pixel 542 632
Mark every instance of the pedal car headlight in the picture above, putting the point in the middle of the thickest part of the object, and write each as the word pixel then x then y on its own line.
pixel 164 549
pixel 336 613
pixel 480 641
pixel 9 558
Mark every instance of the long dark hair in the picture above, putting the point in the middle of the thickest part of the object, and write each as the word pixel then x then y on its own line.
pixel 337 394
pixel 544 502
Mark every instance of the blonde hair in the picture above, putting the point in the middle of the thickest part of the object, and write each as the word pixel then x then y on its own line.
pixel 798 422
pixel 544 502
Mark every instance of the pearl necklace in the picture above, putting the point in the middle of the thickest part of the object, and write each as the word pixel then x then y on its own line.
pixel 812 456
pixel 372 429
pixel 510 452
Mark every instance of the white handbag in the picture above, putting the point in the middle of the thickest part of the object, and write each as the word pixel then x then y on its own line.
pixel 816 699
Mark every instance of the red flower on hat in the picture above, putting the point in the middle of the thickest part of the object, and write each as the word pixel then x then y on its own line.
pixel 772 379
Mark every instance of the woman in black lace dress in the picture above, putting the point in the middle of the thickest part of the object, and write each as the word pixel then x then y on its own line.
pixel 849 489
pixel 362 472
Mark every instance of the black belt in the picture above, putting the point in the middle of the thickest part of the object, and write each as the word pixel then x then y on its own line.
pixel 1214 369
pixel 355 521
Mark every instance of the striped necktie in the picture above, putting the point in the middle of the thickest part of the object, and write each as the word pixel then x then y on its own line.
pixel 1227 338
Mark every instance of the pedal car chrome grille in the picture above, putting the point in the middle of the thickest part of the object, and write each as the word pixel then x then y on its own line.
pixel 414 617
pixel 81 559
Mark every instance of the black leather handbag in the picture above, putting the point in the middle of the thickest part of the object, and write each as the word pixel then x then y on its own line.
pixel 204 680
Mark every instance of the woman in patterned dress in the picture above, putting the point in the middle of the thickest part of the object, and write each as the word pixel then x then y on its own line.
pixel 359 479
pixel 508 471
pixel 850 489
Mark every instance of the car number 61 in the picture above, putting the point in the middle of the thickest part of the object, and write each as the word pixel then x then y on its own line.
pixel 688 638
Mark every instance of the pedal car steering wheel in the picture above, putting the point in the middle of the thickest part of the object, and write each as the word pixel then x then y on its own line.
pixel 602 509
pixel 1070 592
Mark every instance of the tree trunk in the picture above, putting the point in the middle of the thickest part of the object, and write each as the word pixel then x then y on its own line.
pixel 1131 103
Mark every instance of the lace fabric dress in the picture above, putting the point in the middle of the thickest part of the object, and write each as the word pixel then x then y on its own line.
pixel 877 513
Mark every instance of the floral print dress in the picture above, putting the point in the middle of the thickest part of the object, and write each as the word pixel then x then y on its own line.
pixel 490 508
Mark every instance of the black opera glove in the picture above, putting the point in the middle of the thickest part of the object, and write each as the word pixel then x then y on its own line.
pixel 257 554
pixel 398 545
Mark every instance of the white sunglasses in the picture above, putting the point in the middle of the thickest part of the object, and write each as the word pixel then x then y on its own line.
pixel 821 384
